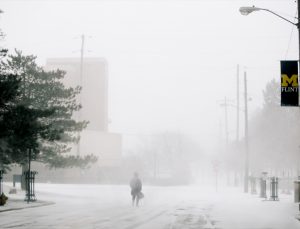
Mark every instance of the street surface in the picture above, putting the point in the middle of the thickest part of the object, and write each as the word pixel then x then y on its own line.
pixel 109 207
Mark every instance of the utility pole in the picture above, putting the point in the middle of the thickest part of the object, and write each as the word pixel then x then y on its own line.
pixel 237 104
pixel 246 136
pixel 221 134
pixel 237 117
pixel 226 120
pixel 298 26
pixel 226 133
pixel 225 105
pixel 81 85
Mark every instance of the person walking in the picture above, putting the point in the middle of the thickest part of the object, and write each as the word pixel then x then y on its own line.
pixel 136 189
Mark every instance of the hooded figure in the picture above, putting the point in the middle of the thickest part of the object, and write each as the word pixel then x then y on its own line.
pixel 136 188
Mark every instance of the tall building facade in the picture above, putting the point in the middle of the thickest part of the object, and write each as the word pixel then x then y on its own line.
pixel 91 75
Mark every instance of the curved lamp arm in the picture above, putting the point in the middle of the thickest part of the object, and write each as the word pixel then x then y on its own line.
pixel 249 9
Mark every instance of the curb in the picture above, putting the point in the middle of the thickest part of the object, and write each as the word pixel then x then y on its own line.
pixel 40 204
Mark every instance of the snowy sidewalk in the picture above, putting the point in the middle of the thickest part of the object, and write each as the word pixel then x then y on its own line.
pixel 239 210
pixel 17 204
pixel 192 207
pixel 16 201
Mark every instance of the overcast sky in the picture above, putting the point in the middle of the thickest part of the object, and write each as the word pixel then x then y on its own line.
pixel 170 61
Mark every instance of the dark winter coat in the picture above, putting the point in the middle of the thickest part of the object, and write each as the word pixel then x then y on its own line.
pixel 136 186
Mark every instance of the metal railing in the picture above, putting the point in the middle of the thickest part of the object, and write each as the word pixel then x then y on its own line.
pixel 274 188
pixel 30 181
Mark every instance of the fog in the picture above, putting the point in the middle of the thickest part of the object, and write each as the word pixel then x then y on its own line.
pixel 159 90
pixel 170 63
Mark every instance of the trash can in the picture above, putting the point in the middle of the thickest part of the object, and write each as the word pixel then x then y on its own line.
pixel 274 188
pixel 297 191
pixel 263 185
pixel 263 188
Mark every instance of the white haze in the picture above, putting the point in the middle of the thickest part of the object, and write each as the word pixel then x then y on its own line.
pixel 170 62
pixel 170 65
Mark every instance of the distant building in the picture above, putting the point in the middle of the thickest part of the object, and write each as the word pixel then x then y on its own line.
pixel 95 139
pixel 94 94
pixel 107 146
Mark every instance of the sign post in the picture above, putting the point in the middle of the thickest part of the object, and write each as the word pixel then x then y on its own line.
pixel 289 83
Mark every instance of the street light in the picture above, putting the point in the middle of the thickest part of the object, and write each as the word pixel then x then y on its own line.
pixel 249 9
pixel 245 11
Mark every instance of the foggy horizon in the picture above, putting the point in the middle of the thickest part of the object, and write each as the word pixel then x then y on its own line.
pixel 172 54
pixel 131 115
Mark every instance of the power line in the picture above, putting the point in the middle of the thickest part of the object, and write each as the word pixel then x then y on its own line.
pixel 290 39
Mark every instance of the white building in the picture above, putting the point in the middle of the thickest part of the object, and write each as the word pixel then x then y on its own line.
pixel 95 139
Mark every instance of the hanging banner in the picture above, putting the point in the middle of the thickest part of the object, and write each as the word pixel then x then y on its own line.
pixel 289 83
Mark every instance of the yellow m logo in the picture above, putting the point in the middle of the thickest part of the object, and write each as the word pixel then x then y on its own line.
pixel 286 81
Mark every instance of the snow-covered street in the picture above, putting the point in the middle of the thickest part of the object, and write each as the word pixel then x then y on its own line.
pixel 96 206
